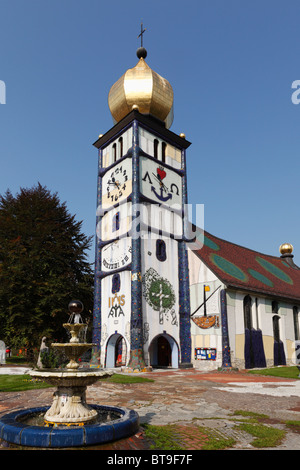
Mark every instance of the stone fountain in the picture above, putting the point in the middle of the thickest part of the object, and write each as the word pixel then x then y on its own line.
pixel 70 421
pixel 69 402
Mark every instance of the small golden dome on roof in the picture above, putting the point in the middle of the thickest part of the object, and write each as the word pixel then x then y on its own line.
pixel 286 248
pixel 143 89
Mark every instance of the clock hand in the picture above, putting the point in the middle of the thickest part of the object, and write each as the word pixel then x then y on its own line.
pixel 160 181
pixel 115 183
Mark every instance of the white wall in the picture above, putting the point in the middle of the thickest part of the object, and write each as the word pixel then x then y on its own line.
pixel 115 320
pixel 201 275
pixel 160 320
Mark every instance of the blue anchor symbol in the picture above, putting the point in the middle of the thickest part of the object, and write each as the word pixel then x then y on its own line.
pixel 161 197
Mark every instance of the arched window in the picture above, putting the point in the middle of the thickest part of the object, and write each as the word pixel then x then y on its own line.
pixel 248 348
pixel 279 354
pixel 116 283
pixel 116 222
pixel 275 307
pixel 161 253
pixel 155 148
pixel 276 333
pixel 120 147
pixel 114 153
pixel 247 312
pixel 256 312
pixel 163 152
pixel 296 322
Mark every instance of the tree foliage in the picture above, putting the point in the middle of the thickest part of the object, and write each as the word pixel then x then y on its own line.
pixel 43 265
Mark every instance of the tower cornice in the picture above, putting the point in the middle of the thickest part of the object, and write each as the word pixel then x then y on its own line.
pixel 150 121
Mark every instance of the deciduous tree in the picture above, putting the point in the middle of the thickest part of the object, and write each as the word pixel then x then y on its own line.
pixel 43 265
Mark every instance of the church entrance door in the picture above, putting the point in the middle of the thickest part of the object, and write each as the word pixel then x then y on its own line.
pixel 163 351
pixel 116 351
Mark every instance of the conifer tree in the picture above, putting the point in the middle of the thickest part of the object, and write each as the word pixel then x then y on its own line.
pixel 43 265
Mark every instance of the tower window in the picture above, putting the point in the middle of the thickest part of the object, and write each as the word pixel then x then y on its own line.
pixel 121 146
pixel 116 222
pixel 161 253
pixel 155 149
pixel 114 153
pixel 163 152
pixel 116 283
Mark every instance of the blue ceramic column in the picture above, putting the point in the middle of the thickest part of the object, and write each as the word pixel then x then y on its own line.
pixel 184 284
pixel 95 362
pixel 226 360
pixel 136 330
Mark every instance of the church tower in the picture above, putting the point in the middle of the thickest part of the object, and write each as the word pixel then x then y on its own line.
pixel 141 301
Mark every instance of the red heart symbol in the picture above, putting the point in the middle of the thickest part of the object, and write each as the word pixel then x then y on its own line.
pixel 161 173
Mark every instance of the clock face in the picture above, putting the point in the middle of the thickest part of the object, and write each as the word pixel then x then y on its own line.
pixel 116 255
pixel 117 183
pixel 160 183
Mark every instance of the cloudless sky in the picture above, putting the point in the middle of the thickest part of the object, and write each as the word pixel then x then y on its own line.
pixel 231 65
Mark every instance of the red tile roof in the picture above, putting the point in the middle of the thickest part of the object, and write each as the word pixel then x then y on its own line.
pixel 246 269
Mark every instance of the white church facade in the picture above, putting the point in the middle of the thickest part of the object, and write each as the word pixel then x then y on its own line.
pixel 167 296
pixel 262 303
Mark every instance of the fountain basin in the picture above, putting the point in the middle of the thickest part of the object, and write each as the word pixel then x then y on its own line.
pixel 70 377
pixel 69 405
pixel 14 430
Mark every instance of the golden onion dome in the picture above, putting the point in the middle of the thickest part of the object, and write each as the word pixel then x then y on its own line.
pixel 286 248
pixel 143 89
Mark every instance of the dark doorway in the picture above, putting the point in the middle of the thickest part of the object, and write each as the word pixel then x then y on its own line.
pixel 163 352
pixel 249 355
pixel 116 351
pixel 279 355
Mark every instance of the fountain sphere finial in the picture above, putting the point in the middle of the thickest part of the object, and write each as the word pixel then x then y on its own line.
pixel 75 306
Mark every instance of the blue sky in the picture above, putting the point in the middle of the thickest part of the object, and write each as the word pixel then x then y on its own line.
pixel 231 65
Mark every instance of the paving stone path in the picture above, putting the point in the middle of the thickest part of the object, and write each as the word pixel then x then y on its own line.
pixel 189 399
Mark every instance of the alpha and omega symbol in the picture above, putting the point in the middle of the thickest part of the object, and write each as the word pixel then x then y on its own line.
pixel 163 193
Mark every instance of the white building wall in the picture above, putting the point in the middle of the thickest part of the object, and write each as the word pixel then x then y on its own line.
pixel 115 312
pixel 262 318
pixel 204 338
pixel 160 316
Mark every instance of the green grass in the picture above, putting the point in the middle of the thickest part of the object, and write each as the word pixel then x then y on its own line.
pixel 19 383
pixel 288 372
pixel 162 437
pixel 250 414
pixel 215 440
pixel 292 423
pixel 265 436
pixel 17 360
pixel 167 437
pixel 128 379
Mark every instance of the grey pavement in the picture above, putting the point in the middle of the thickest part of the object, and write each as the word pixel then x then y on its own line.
pixel 190 397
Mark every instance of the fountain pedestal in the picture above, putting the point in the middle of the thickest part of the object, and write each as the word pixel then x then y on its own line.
pixel 69 401
pixel 69 405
